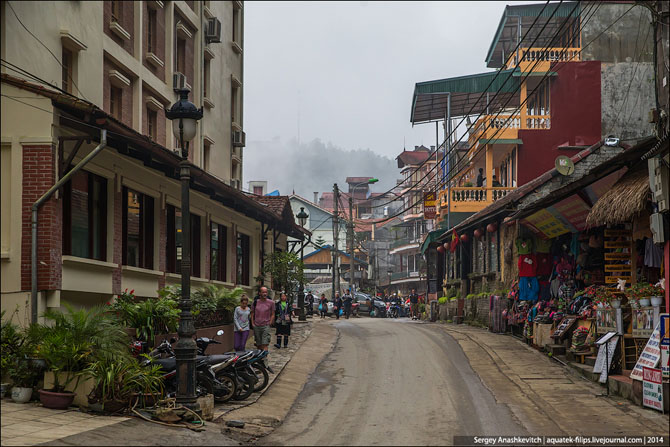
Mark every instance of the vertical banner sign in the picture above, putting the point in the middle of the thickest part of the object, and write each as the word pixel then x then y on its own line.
pixel 650 356
pixel 665 345
pixel 429 205
pixel 652 388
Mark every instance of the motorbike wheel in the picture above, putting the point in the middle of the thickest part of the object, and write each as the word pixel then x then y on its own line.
pixel 263 377
pixel 245 386
pixel 228 380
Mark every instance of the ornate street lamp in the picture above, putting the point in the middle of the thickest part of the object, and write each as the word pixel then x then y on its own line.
pixel 184 116
pixel 302 220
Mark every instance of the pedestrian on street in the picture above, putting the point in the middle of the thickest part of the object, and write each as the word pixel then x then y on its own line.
pixel 347 300
pixel 413 304
pixel 310 303
pixel 283 320
pixel 241 321
pixel 262 318
pixel 337 305
pixel 323 306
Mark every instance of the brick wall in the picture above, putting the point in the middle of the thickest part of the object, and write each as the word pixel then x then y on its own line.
pixel 126 97
pixel 158 41
pixel 126 20
pixel 38 177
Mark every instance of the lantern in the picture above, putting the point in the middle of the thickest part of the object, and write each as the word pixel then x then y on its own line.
pixel 446 245
pixel 464 238
pixel 491 228
pixel 440 249
pixel 478 233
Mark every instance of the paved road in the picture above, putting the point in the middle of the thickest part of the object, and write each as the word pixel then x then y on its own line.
pixel 393 382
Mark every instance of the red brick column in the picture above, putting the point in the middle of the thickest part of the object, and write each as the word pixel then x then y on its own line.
pixel 38 176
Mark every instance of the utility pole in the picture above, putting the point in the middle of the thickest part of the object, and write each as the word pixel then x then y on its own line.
pixel 336 231
pixel 351 242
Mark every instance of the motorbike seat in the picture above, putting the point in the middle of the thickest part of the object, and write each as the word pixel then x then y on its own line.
pixel 168 364
pixel 218 358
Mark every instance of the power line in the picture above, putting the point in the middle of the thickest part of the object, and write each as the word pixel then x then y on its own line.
pixel 47 48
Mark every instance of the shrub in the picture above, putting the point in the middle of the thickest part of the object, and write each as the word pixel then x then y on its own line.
pixel 422 308
pixel 470 296
pixel 149 317
pixel 442 300
pixel 224 298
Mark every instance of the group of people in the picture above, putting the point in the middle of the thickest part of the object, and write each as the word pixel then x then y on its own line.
pixel 260 317
pixel 343 303
pixel 414 300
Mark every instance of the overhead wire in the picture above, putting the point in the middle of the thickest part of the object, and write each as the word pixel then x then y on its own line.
pixel 528 96
pixel 47 48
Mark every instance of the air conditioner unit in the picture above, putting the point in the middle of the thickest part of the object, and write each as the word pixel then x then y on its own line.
pixel 179 81
pixel 239 138
pixel 213 30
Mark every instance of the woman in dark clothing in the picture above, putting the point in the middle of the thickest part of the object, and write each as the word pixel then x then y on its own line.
pixel 337 305
pixel 323 306
pixel 283 321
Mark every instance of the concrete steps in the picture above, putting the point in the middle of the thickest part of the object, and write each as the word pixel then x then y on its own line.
pixel 555 349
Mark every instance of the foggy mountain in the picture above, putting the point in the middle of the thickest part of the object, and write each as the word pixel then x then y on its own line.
pixel 314 166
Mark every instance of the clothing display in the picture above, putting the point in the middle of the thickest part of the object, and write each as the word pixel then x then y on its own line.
pixel 527 265
pixel 544 264
pixel 528 288
pixel 524 246
pixel 543 246
pixel 653 254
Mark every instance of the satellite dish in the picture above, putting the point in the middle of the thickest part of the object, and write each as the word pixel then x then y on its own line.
pixel 564 165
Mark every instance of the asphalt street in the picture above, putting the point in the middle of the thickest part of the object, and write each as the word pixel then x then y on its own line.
pixel 393 382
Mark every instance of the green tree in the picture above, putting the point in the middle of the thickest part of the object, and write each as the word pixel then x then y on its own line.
pixel 286 270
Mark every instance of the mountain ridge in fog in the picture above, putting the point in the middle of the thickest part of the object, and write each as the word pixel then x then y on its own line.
pixel 314 166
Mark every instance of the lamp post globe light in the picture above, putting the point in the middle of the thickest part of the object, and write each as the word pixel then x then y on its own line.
pixel 184 116
pixel 302 220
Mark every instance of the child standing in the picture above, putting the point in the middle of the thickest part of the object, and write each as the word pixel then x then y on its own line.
pixel 241 320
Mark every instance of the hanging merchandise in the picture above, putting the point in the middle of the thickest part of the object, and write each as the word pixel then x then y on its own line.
pixel 524 246
pixel 528 288
pixel 653 254
pixel 543 245
pixel 527 265
pixel 544 264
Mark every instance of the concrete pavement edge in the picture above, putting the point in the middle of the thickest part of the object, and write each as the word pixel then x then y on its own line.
pixel 274 405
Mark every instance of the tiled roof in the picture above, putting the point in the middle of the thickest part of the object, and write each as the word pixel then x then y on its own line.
pixel 354 180
pixel 412 158
pixel 274 203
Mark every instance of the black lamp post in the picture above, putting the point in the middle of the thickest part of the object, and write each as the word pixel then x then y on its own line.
pixel 302 220
pixel 184 116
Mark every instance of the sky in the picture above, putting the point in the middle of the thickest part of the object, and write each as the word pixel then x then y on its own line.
pixel 343 73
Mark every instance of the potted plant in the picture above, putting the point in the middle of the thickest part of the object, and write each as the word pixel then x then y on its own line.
pixel 11 341
pixel 23 378
pixel 642 292
pixel 144 384
pixel 74 340
pixel 149 317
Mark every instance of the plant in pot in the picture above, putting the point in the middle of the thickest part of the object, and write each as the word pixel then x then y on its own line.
pixel 11 340
pixel 144 384
pixel 24 379
pixel 149 317
pixel 639 294
pixel 74 340
pixel 108 392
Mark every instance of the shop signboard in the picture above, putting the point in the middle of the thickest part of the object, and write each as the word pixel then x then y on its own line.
pixel 650 356
pixel 665 330
pixel 429 210
pixel 652 388
pixel 598 367
pixel 546 223
pixel 642 322
pixel 605 320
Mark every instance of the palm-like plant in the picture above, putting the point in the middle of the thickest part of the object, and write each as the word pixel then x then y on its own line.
pixel 76 338
pixel 225 299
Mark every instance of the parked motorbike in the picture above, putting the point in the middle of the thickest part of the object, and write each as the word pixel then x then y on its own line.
pixel 355 307
pixel 394 309
pixel 223 388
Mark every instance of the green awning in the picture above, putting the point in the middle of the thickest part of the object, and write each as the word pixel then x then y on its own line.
pixel 506 36
pixel 432 237
pixel 468 95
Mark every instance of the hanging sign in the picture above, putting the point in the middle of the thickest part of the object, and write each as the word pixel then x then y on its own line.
pixel 599 366
pixel 652 388
pixel 429 210
pixel 650 356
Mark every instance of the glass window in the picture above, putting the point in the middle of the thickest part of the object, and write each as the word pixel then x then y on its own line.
pixel 152 124
pixel 85 216
pixel 218 244
pixel 175 242
pixel 151 30
pixel 243 252
pixel 138 229
pixel 66 72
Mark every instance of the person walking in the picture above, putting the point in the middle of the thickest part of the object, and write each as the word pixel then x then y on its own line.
pixel 283 314
pixel 323 306
pixel 413 304
pixel 347 300
pixel 310 303
pixel 241 322
pixel 262 317
pixel 337 305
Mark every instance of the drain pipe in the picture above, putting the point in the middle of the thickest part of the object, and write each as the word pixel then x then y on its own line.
pixel 33 220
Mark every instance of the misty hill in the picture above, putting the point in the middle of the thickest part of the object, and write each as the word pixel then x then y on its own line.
pixel 314 166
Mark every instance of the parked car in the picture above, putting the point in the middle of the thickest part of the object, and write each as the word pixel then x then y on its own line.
pixel 363 299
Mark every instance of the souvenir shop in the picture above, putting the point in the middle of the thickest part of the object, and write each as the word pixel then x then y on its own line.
pixel 585 271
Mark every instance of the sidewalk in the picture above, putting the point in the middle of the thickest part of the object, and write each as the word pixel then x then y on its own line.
pixel 32 424
pixel 546 397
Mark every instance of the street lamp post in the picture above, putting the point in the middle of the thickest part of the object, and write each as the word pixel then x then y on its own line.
pixel 302 219
pixel 184 116
pixel 351 230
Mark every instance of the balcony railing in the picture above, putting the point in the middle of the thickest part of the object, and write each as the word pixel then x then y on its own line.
pixel 505 126
pixel 471 199
pixel 547 55
pixel 405 241
pixel 403 275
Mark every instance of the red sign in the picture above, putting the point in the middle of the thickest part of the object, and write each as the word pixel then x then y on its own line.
pixel 652 375
pixel 429 210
